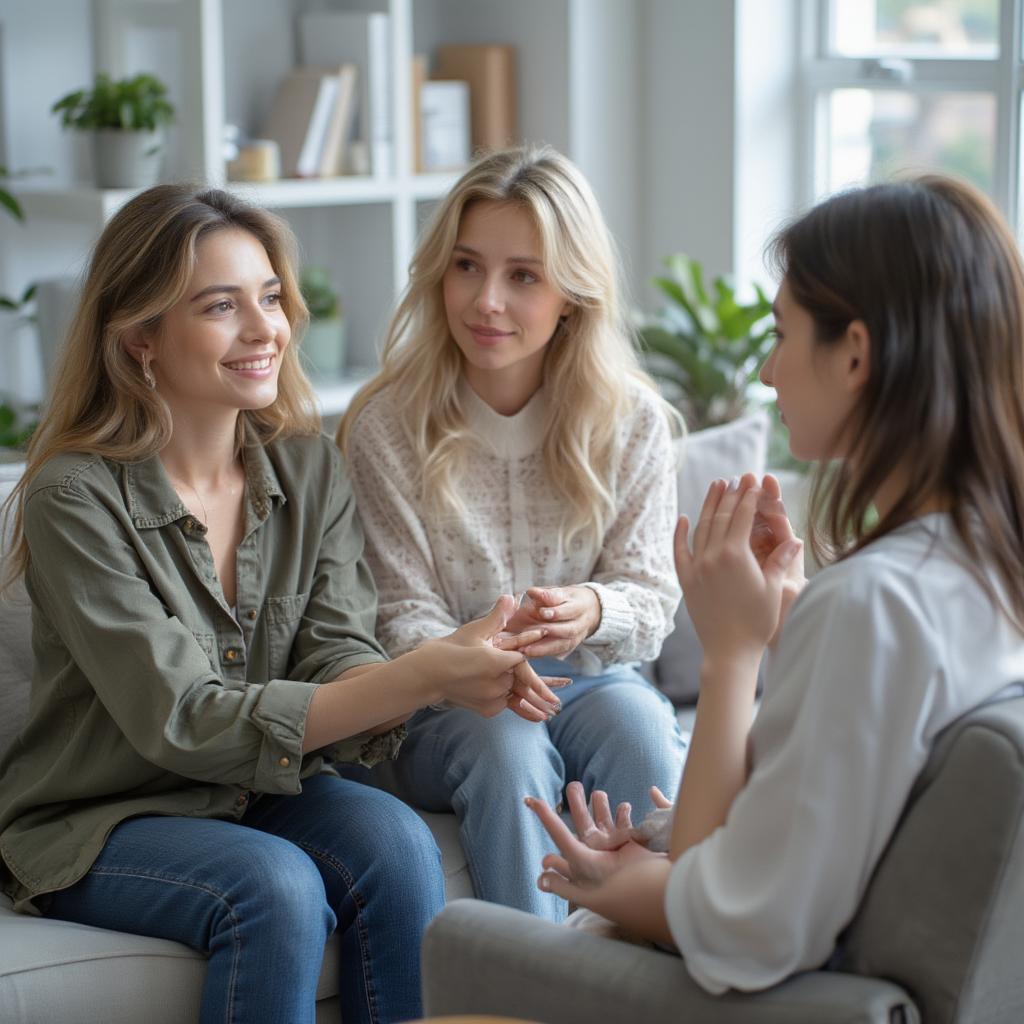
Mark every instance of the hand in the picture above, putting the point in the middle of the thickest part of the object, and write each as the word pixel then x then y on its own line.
pixel 469 671
pixel 734 600
pixel 578 867
pixel 568 615
pixel 772 528
pixel 595 826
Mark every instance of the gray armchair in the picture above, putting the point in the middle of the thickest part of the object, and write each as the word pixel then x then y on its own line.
pixel 938 936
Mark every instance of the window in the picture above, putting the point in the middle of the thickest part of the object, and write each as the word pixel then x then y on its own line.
pixel 895 86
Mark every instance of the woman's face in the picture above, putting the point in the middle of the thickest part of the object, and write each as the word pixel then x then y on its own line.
pixel 220 346
pixel 501 308
pixel 811 382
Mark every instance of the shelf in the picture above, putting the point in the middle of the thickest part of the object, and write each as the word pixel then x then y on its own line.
pixel 97 205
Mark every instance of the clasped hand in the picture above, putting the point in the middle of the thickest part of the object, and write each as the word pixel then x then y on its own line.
pixel 565 615
pixel 473 671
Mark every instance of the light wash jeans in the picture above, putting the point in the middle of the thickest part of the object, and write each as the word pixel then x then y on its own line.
pixel 261 897
pixel 615 732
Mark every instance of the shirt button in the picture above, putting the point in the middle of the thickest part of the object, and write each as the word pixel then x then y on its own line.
pixel 231 654
pixel 284 762
pixel 251 613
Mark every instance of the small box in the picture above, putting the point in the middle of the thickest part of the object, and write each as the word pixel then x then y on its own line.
pixel 444 110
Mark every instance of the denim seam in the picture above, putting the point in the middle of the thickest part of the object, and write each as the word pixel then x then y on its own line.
pixel 236 939
pixel 364 938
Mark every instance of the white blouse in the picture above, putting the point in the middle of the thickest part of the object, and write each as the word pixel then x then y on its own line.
pixel 879 654
pixel 436 572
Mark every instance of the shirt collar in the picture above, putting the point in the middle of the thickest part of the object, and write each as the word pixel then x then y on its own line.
pixel 509 436
pixel 153 501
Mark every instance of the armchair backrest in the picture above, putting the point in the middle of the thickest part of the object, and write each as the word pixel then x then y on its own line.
pixel 944 914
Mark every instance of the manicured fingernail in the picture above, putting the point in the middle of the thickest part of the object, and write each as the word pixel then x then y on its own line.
pixel 544 883
pixel 734 484
pixel 547 613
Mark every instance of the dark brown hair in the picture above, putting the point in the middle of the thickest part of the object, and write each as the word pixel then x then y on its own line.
pixel 934 273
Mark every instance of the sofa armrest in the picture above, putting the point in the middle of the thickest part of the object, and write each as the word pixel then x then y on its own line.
pixel 482 958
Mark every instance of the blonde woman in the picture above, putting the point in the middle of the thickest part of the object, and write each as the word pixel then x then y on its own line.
pixel 203 637
pixel 511 443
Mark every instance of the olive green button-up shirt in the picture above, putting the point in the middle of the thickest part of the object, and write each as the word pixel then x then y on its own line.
pixel 150 694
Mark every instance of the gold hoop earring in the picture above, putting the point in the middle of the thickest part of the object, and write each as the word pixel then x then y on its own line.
pixel 147 373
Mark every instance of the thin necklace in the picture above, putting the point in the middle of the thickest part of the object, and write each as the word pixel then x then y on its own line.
pixel 202 505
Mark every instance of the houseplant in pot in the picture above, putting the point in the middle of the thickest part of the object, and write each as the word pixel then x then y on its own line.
pixel 323 346
pixel 127 117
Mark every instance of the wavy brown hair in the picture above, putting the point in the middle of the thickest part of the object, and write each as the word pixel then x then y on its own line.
pixel 934 273
pixel 140 267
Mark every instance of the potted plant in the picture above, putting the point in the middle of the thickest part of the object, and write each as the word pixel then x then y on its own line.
pixel 16 422
pixel 706 347
pixel 323 346
pixel 127 117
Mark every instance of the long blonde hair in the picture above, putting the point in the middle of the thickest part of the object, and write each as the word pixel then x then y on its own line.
pixel 590 363
pixel 140 267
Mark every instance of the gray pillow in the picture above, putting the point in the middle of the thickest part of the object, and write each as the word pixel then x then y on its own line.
pixel 726 451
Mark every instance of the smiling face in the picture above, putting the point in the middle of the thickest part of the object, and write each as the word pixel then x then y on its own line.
pixel 219 347
pixel 501 308
pixel 816 383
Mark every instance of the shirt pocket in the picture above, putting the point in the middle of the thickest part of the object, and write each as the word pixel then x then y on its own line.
pixel 282 615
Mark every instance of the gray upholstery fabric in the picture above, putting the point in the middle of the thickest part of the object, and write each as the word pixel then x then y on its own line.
pixel 486 959
pixel 944 915
pixel 943 919
pixel 55 971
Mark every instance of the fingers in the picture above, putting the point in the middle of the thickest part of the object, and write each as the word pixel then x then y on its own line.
pixel 660 800
pixel 547 596
pixel 602 810
pixel 707 514
pixel 681 550
pixel 517 641
pixel 551 881
pixel 494 621
pixel 779 560
pixel 567 843
pixel 725 513
pixel 552 862
pixel 741 521
pixel 582 820
pixel 527 678
pixel 624 816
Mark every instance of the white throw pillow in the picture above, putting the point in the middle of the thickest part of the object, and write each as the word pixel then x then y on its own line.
pixel 726 451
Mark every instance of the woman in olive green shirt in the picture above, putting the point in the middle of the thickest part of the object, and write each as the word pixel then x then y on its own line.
pixel 203 639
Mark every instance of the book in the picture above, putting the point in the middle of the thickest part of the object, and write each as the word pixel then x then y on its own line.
pixel 444 107
pixel 339 127
pixel 417 77
pixel 491 73
pixel 363 39
pixel 299 115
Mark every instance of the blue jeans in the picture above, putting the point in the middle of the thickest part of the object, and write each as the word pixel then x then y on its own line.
pixel 261 897
pixel 615 732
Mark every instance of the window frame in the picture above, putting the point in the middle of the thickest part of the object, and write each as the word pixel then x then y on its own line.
pixel 822 72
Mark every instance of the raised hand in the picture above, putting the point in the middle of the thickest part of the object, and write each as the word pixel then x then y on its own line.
pixel 568 615
pixel 734 599
pixel 595 826
pixel 576 866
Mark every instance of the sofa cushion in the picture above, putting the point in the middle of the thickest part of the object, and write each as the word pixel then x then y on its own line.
pixel 726 451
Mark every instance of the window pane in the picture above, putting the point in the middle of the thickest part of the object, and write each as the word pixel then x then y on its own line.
pixel 876 134
pixel 916 28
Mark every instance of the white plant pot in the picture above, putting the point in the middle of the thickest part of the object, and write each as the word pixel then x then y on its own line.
pixel 323 348
pixel 127 159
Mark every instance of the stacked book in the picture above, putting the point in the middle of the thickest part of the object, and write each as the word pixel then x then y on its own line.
pixel 312 119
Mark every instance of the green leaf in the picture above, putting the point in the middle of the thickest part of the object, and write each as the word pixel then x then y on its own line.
pixel 11 204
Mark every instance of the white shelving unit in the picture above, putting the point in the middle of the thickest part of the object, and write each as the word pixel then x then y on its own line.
pixel 223 59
